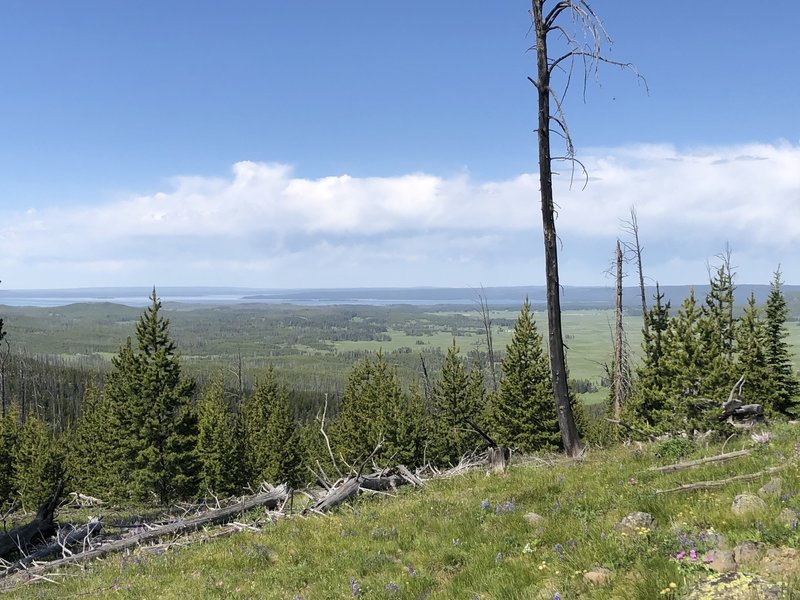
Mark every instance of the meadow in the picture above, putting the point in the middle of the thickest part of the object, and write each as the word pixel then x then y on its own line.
pixel 475 536
pixel 314 347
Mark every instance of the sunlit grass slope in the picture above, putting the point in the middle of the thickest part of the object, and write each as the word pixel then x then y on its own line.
pixel 469 536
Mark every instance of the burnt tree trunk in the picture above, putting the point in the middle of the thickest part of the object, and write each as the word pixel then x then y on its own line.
pixel 558 368
pixel 638 250
pixel 619 353
pixel 39 529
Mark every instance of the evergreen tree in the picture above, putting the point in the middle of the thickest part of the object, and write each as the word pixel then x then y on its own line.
pixel 407 428
pixel 152 407
pixel 9 440
pixel 37 464
pixel 218 443
pixel 718 333
pixel 647 405
pixel 685 366
pixel 371 406
pixel 260 452
pixel 92 452
pixel 282 437
pixel 524 412
pixel 751 357
pixel 786 398
pixel 458 401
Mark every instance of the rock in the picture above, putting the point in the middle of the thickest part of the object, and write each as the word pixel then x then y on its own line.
pixel 781 561
pixel 534 519
pixel 722 561
pixel 788 516
pixel 633 523
pixel 772 488
pixel 747 503
pixel 746 552
pixel 735 586
pixel 598 576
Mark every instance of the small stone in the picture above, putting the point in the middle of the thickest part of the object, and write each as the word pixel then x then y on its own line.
pixel 772 488
pixel 722 561
pixel 788 516
pixel 782 561
pixel 534 519
pixel 746 552
pixel 635 521
pixel 747 503
pixel 598 576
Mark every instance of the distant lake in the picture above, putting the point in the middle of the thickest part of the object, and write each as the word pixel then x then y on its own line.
pixel 216 296
pixel 572 297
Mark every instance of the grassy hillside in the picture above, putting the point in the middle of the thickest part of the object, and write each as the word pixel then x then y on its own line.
pixel 473 536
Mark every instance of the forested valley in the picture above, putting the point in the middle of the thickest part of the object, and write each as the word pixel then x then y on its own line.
pixel 156 423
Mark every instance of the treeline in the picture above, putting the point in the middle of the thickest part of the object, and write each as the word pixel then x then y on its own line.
pixel 692 359
pixel 150 434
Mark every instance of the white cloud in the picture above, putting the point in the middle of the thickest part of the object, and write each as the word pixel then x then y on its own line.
pixel 262 226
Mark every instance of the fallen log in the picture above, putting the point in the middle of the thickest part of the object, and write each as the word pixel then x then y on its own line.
pixel 700 461
pixel 409 476
pixel 70 539
pixel 269 500
pixel 337 495
pixel 715 483
pixel 377 482
pixel 20 538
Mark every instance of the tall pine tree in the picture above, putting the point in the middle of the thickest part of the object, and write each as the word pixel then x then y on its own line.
pixel 786 398
pixel 272 449
pixel 458 397
pixel 37 463
pixel 152 408
pixel 523 414
pixel 92 453
pixel 372 406
pixel 219 449
pixel 751 360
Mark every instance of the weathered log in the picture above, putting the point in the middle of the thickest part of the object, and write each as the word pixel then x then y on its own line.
pixel 42 527
pixel 270 500
pixel 68 540
pixel 749 410
pixel 700 461
pixel 337 495
pixel 715 483
pixel 379 483
pixel 409 476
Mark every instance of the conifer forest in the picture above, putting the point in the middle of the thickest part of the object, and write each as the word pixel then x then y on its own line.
pixel 150 427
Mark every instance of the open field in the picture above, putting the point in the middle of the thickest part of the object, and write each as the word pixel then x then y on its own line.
pixel 314 347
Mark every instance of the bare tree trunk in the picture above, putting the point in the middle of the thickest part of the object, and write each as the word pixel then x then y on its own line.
pixel 634 227
pixel 618 341
pixel 487 329
pixel 566 421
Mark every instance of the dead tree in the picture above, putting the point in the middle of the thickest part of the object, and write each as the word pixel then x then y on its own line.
pixel 487 330
pixel 42 526
pixel 632 227
pixel 585 44
pixel 619 341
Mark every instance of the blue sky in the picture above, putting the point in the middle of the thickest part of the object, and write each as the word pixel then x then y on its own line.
pixel 337 144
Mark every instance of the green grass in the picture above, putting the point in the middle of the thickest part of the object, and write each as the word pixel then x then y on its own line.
pixel 440 542
pixel 307 344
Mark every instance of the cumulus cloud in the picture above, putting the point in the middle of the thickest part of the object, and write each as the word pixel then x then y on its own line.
pixel 418 229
